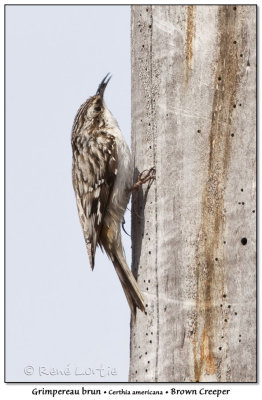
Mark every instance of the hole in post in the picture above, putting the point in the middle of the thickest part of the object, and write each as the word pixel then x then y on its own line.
pixel 244 241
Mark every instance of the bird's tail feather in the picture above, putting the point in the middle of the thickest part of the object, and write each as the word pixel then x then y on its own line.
pixel 90 254
pixel 129 284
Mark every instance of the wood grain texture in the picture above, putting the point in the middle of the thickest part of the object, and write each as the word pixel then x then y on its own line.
pixel 193 118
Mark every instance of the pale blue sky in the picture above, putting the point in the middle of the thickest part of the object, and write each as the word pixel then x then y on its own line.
pixel 59 314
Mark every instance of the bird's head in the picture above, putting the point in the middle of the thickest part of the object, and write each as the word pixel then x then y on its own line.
pixel 96 103
pixel 93 113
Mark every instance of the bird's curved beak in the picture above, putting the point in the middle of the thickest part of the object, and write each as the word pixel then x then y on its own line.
pixel 103 85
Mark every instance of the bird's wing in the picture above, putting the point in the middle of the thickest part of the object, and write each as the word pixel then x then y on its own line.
pixel 94 172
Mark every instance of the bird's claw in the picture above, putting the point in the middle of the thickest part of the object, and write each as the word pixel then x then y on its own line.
pixel 145 176
pixel 123 227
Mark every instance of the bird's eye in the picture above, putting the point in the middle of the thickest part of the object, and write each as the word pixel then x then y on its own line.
pixel 97 108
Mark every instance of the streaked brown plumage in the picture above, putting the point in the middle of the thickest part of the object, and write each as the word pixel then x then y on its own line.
pixel 102 180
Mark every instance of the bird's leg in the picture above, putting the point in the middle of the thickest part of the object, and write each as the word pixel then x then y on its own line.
pixel 143 177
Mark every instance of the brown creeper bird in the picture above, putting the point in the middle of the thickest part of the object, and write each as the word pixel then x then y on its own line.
pixel 102 180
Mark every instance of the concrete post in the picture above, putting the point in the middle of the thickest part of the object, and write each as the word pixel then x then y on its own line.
pixel 194 229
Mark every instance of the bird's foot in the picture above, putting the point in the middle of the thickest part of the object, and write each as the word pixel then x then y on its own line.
pixel 143 177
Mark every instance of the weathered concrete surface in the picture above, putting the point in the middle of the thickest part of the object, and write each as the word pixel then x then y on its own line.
pixel 193 117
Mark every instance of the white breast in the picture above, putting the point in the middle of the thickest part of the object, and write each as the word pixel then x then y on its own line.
pixel 124 177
